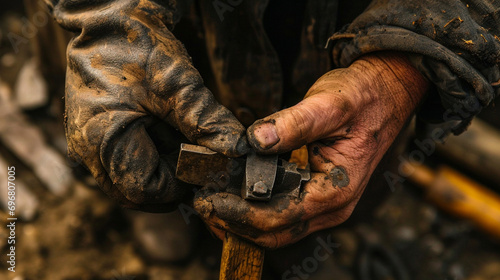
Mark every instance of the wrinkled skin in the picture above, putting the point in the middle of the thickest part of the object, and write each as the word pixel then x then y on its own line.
pixel 131 87
pixel 349 118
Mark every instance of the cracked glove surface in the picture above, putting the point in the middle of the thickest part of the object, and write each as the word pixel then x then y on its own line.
pixel 127 73
pixel 453 43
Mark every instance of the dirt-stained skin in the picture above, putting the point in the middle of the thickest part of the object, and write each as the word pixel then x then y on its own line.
pixel 236 213
pixel 127 72
pixel 339 177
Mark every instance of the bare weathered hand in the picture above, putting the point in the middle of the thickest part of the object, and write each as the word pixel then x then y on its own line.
pixel 348 119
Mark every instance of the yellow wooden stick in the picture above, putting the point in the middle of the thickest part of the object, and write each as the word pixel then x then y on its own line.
pixel 459 195
pixel 241 259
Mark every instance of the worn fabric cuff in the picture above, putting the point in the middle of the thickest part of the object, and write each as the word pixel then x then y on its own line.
pixel 454 48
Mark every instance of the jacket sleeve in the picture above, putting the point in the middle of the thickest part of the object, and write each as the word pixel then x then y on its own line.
pixel 455 44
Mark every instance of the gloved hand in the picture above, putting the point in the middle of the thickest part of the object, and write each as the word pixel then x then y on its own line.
pixel 127 73
pixel 349 118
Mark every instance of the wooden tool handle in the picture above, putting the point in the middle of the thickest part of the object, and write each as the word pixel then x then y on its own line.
pixel 241 259
pixel 459 195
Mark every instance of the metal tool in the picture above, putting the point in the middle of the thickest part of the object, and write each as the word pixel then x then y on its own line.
pixel 258 176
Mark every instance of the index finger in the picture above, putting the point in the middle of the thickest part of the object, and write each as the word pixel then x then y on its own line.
pixel 237 214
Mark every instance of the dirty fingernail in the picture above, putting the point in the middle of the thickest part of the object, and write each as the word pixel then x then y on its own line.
pixel 266 135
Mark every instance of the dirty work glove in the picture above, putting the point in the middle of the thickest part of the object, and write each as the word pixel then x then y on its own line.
pixel 127 73
pixel 349 118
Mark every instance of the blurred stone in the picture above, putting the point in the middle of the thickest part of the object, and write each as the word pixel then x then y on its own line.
pixel 348 250
pixel 26 203
pixel 164 273
pixel 456 272
pixel 433 245
pixel 196 271
pixel 31 90
pixel 131 263
pixel 12 23
pixel 455 229
pixel 164 237
pixel 53 171
pixel 368 234
pixel 8 60
pixel 27 142
pixel 405 234
pixel 428 217
pixel 330 270
pixel 6 100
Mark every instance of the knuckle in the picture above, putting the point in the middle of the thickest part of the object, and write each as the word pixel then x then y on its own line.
pixel 147 188
pixel 342 106
pixel 299 121
pixel 337 199
pixel 367 144
pixel 134 194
